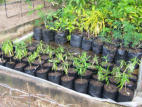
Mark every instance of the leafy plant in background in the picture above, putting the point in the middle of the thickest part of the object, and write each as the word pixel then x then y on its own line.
pixel 93 22
pixel 7 48
pixel 131 36
pixel 20 50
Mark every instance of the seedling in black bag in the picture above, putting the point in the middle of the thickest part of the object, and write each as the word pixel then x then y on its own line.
pixel 103 74
pixel 7 48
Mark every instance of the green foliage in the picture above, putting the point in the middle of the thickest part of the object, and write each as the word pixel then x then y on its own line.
pixel 40 47
pixel 60 49
pixel 1 1
pixel 20 50
pixel 32 57
pixel 65 67
pixel 103 74
pixel 93 22
pixel 95 60
pixel 55 64
pixel 81 63
pixel 60 57
pixel 7 48
pixel 123 76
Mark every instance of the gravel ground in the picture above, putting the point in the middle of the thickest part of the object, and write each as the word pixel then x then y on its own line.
pixel 13 9
pixel 9 98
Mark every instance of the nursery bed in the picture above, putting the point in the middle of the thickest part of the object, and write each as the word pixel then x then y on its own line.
pixel 15 79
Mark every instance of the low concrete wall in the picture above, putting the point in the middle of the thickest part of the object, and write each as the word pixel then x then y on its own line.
pixel 60 94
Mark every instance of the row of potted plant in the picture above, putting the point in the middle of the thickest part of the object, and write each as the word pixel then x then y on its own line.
pixel 79 72
pixel 113 24
pixel 113 52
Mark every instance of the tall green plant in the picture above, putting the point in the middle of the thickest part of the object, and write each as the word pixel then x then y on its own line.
pixel 7 48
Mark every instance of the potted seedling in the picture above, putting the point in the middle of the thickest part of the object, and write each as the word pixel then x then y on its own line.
pixel 124 93
pixel 59 26
pixel 105 63
pixel 66 80
pixel 92 23
pixel 96 84
pixel 126 86
pixel 38 52
pixel 77 29
pixel 7 49
pixel 48 33
pixel 55 75
pixel 81 66
pixel 44 55
pixel 20 53
pixel 41 72
pixel 31 45
pixel 30 69
pixel 94 62
pixel 40 47
pixel 50 55
pixel 110 89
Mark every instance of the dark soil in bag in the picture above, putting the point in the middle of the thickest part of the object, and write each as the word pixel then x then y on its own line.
pixel 30 70
pixel 20 66
pixel 31 48
pixel 110 91
pixel 67 81
pixel 81 85
pixel 2 61
pixel 131 85
pixel 25 60
pixel 55 77
pixel 109 51
pixel 60 38
pixel 133 78
pixel 37 62
pixel 37 33
pixel 125 95
pixel 113 81
pixel 48 35
pixel 72 72
pixel 10 64
pixel 44 57
pixel 42 73
pixel 133 53
pixel 95 88
pixel 87 75
pixel 108 66
pixel 120 55
pixel 47 66
pixel 14 59
pixel 97 46
pixel 76 40
pixel 86 44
